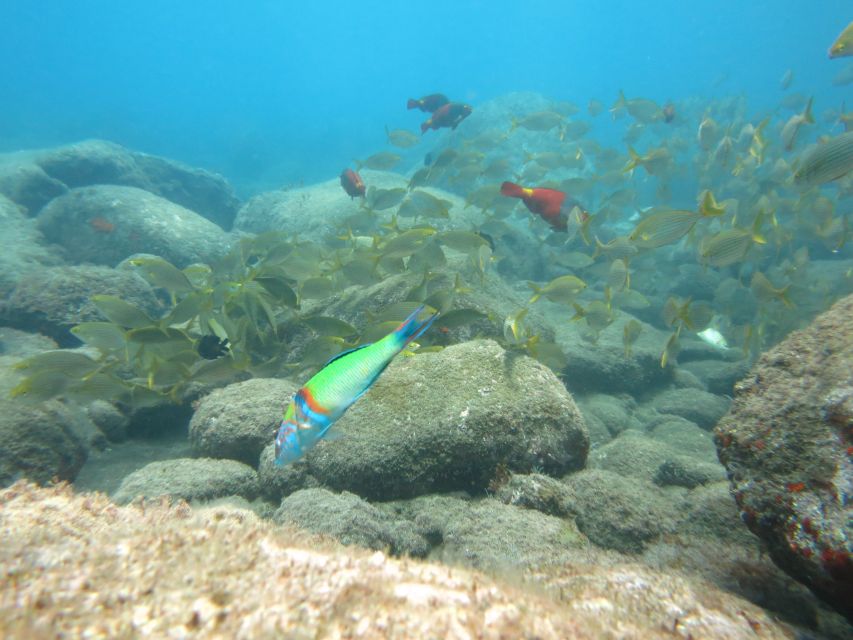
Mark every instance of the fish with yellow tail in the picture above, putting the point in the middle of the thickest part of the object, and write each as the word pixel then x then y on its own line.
pixel 333 389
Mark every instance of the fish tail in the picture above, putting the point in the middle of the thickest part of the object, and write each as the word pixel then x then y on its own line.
pixel 425 126
pixel 785 298
pixel 512 190
pixel 537 292
pixel 413 104
pixel 807 113
pixel 410 328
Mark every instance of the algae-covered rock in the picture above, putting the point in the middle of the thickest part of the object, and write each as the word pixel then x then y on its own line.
pixel 93 162
pixel 83 567
pixel 39 442
pixel 26 183
pixel 23 344
pixel 634 454
pixel 619 513
pixel 535 491
pixel 23 247
pixel 319 210
pixel 602 366
pixel 189 479
pixel 445 421
pixel 51 300
pixel 695 405
pixel 488 534
pixel 239 420
pixel 105 224
pixel 351 520
pixel 786 444
pixel 718 376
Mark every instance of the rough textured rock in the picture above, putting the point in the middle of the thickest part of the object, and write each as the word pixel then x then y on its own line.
pixel 189 479
pixel 614 412
pixel 86 568
pixel 445 421
pixel 786 444
pixel 636 455
pixel 700 407
pixel 535 491
pixel 487 534
pixel 94 162
pixel 105 224
pixel 620 513
pixel 317 210
pixel 23 344
pixel 26 183
pixel 601 365
pixel 37 441
pixel 51 300
pixel 112 422
pixel 239 420
pixel 23 247
pixel 718 376
pixel 351 520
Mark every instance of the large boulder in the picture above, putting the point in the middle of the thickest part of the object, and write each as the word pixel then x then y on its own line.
pixel 351 520
pixel 319 210
pixel 89 568
pixel 38 441
pixel 619 513
pixel 239 420
pixel 445 421
pixel 189 479
pixel 105 224
pixel 599 363
pixel 786 444
pixel 23 247
pixel 94 162
pixel 26 183
pixel 487 534
pixel 51 300
pixel 698 406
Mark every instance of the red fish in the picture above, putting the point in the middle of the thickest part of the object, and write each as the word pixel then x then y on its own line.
pixel 449 115
pixel 101 225
pixel 428 103
pixel 352 183
pixel 552 205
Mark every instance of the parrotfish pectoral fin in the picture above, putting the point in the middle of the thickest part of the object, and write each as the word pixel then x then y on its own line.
pixel 410 328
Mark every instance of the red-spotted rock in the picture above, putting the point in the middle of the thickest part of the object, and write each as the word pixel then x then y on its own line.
pixel 786 444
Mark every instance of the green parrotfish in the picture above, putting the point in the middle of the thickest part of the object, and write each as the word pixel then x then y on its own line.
pixel 333 389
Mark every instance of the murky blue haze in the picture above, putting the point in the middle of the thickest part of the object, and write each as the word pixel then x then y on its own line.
pixel 271 93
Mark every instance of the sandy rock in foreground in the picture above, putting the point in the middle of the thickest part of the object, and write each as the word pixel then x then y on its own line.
pixel 79 566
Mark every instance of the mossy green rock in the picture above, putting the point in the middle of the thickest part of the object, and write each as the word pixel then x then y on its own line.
pixel 189 479
pixel 445 421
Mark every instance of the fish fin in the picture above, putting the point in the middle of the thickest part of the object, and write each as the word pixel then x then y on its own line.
pixel 340 355
pixel 512 190
pixel 410 329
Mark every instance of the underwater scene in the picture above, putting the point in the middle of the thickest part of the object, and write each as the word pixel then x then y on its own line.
pixel 453 320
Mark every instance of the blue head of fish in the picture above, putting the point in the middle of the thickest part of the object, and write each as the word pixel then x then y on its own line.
pixel 288 447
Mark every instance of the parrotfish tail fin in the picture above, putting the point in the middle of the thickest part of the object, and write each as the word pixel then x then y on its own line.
pixel 410 328
pixel 512 190
pixel 425 126
pixel 413 104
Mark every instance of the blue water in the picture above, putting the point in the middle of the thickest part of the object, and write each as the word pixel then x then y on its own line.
pixel 282 92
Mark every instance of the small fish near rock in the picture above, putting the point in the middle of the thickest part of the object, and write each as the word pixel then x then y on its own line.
pixel 447 116
pixel 352 183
